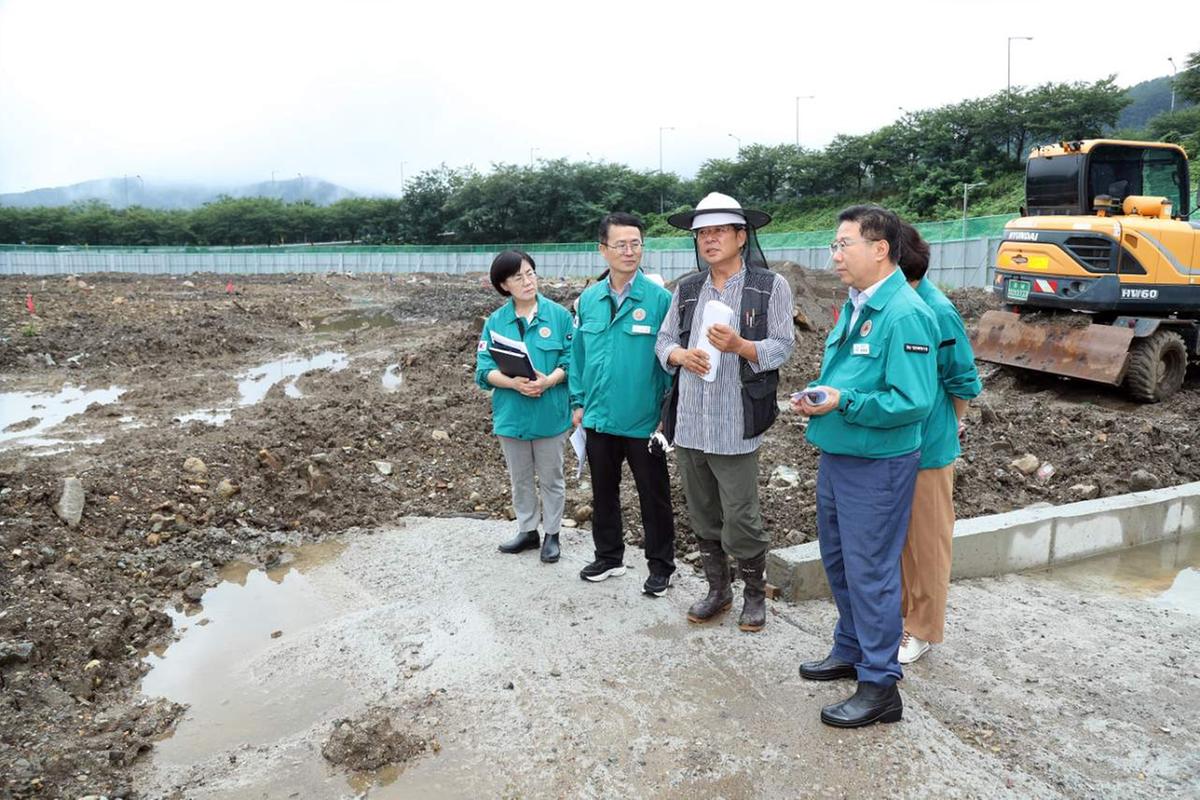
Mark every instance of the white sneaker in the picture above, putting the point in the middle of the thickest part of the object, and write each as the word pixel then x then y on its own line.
pixel 912 648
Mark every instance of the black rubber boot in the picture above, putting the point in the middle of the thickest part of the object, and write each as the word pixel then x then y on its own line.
pixel 550 548
pixel 716 570
pixel 754 595
pixel 522 541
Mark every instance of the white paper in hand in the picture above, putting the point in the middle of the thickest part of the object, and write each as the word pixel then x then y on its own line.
pixel 579 445
pixel 715 313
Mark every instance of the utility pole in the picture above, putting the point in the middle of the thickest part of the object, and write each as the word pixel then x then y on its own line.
pixel 1174 72
pixel 1008 85
pixel 661 128
pixel 800 97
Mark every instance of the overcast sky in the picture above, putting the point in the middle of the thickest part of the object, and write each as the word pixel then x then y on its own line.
pixel 349 91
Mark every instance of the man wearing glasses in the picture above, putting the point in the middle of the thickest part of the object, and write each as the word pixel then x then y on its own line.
pixel 878 383
pixel 616 388
pixel 717 420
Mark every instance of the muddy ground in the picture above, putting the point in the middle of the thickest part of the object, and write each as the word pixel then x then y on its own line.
pixel 82 605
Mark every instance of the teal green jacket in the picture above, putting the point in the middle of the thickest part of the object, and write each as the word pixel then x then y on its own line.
pixel 886 371
pixel 615 376
pixel 548 338
pixel 957 377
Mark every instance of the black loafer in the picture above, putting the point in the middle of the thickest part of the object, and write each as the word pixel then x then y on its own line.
pixel 870 703
pixel 522 541
pixel 828 669
pixel 550 548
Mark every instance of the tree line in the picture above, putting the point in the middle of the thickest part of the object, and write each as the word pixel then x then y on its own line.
pixel 916 165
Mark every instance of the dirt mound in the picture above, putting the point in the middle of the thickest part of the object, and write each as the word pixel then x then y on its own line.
pixel 815 293
pixel 370 742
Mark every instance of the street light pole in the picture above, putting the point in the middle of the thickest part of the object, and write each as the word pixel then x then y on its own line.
pixel 1174 72
pixel 737 139
pixel 800 97
pixel 661 128
pixel 402 163
pixel 532 150
pixel 966 188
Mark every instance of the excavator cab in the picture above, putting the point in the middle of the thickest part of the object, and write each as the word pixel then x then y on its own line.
pixel 1101 274
pixel 1079 182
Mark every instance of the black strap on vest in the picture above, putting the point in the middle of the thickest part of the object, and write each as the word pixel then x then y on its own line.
pixel 759 403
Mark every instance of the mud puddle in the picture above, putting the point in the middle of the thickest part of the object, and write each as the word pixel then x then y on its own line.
pixel 359 319
pixel 1164 573
pixel 212 666
pixel 255 383
pixel 26 416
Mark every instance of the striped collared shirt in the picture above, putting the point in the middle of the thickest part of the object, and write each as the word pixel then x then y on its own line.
pixel 710 414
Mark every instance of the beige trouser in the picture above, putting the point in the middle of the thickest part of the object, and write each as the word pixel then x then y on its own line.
pixel 925 562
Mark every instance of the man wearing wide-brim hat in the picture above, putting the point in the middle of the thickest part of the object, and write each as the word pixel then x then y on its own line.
pixel 720 408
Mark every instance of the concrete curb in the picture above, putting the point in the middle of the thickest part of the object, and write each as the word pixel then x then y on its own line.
pixel 1025 539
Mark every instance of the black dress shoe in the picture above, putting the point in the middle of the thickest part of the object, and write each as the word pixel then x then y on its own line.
pixel 522 541
pixel 550 548
pixel 828 669
pixel 870 703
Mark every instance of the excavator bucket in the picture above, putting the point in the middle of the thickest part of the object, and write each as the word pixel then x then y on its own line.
pixel 1060 347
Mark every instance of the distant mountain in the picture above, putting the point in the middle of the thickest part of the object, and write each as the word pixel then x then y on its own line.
pixel 134 191
pixel 1150 98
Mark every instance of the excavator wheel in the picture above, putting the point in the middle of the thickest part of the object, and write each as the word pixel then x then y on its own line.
pixel 1156 366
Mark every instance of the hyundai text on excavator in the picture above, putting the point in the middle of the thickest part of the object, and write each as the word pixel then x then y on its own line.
pixel 1100 275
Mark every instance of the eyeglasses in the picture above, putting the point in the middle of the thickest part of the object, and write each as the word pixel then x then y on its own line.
pixel 842 244
pixel 621 247
pixel 713 230
pixel 525 276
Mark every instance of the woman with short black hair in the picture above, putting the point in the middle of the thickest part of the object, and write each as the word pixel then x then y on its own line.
pixel 529 415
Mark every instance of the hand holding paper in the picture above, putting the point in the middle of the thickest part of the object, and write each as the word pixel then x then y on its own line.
pixel 715 313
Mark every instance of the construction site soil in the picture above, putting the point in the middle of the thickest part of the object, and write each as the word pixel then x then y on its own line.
pixel 216 421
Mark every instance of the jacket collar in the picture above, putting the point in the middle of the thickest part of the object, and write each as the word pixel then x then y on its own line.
pixel 888 288
pixel 509 310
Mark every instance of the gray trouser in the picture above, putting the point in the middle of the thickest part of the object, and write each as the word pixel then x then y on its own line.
pixel 722 500
pixel 542 458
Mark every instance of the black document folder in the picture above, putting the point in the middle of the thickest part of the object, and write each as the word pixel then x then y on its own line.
pixel 512 363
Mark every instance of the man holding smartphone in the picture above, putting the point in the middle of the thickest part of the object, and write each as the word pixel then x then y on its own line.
pixel 877 384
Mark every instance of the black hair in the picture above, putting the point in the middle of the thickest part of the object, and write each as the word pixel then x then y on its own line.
pixel 507 264
pixel 876 223
pixel 914 253
pixel 619 218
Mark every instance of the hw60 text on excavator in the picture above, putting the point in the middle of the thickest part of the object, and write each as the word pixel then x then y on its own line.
pixel 1101 273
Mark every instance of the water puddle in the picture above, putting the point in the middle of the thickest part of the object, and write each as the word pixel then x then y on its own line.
pixel 355 320
pixel 254 384
pixel 1164 573
pixel 212 666
pixel 26 416
pixel 392 378
pixel 209 416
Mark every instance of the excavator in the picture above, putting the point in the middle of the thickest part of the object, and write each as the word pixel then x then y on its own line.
pixel 1100 275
